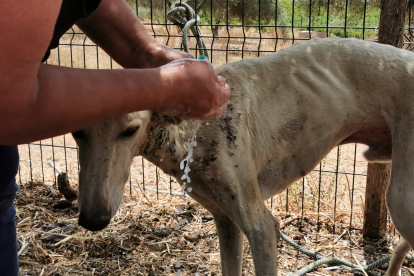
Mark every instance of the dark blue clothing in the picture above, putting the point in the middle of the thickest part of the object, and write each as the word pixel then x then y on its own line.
pixel 9 165
pixel 71 12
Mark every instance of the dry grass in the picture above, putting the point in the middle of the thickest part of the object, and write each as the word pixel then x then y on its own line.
pixel 142 240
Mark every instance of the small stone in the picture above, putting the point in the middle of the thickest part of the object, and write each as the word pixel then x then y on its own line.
pixel 177 226
pixel 179 209
pixel 189 189
pixel 178 273
pixel 178 264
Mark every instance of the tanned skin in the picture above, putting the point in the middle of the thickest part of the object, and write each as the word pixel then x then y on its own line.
pixel 38 101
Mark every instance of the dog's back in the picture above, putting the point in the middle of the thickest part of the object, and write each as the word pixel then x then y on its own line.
pixel 310 97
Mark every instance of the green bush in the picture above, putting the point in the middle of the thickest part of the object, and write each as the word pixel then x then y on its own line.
pixel 300 13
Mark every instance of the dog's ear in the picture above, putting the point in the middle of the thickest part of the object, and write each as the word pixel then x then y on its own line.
pixel 161 119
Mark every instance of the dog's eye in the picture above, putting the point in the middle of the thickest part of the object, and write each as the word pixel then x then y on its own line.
pixel 80 134
pixel 129 132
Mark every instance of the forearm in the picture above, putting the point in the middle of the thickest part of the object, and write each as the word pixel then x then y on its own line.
pixel 66 99
pixel 116 29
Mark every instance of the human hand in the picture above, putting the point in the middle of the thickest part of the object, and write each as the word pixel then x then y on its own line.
pixel 193 90
pixel 158 55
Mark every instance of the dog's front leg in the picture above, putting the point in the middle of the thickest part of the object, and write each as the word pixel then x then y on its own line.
pixel 243 205
pixel 230 236
pixel 231 245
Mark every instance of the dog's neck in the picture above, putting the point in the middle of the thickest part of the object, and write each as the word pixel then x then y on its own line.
pixel 166 144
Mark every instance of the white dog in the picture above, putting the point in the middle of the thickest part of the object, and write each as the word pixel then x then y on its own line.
pixel 287 111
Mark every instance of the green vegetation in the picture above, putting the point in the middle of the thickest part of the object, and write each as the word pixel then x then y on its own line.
pixel 301 13
pixel 315 13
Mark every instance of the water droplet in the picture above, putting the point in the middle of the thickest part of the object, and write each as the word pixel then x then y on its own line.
pixel 197 208
pixel 177 226
pixel 168 270
pixel 191 160
pixel 179 209
pixel 178 273
pixel 189 189
pixel 207 123
pixel 182 221
pixel 161 160
pixel 178 264
pixel 195 233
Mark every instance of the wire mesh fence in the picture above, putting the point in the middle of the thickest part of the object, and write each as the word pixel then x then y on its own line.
pixel 333 194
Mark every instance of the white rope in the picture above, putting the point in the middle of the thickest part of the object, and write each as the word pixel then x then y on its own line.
pixel 185 17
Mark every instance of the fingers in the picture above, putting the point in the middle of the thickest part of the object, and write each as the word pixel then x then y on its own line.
pixel 224 90
pixel 221 109
pixel 191 75
pixel 221 81
pixel 225 93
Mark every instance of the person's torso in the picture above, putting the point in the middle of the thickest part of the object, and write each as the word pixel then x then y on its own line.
pixel 71 12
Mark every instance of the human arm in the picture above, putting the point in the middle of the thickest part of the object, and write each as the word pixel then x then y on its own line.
pixel 117 30
pixel 38 101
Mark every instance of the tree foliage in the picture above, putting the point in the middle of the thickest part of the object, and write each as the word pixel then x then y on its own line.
pixel 249 12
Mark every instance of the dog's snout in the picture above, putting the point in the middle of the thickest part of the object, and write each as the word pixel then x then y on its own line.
pixel 94 222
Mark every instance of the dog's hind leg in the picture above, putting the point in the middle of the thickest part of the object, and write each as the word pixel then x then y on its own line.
pixel 397 258
pixel 400 193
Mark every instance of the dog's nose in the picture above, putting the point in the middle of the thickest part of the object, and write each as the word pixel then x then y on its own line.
pixel 95 222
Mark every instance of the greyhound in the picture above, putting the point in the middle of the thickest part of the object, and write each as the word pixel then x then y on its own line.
pixel 287 111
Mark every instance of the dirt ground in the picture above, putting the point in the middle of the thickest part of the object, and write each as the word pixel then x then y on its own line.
pixel 153 237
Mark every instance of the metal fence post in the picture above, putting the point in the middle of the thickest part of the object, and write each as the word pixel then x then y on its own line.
pixel 391 31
